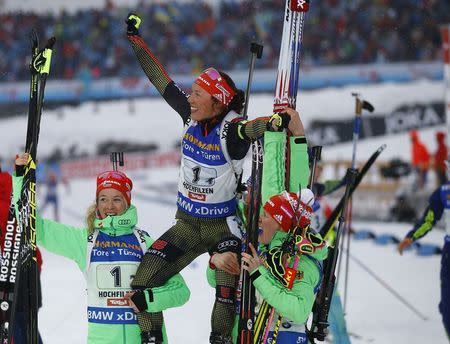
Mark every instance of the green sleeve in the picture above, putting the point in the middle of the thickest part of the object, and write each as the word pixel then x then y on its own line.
pixel 173 293
pixel 17 187
pixel 273 167
pixel 296 303
pixel 299 167
pixel 211 277
pixel 274 164
pixel 426 225
pixel 63 240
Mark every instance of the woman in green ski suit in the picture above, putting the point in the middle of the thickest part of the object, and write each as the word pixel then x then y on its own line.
pixel 294 304
pixel 108 252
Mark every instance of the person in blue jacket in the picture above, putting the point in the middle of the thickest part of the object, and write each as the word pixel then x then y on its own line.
pixel 438 205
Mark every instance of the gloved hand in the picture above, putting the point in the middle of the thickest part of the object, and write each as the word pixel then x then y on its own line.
pixel 278 121
pixel 138 300
pixel 133 22
pixel 404 244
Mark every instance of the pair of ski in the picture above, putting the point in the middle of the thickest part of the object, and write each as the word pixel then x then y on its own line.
pixel 19 273
pixel 285 96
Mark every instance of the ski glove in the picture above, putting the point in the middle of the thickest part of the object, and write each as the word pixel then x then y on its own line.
pixel 133 22
pixel 140 300
pixel 278 122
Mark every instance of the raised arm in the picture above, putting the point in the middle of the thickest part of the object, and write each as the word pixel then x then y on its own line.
pixel 64 240
pixel 240 132
pixel 275 154
pixel 155 71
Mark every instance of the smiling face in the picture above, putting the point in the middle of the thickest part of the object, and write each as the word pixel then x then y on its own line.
pixel 111 202
pixel 268 227
pixel 203 105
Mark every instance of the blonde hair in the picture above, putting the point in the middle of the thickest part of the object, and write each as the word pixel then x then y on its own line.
pixel 91 215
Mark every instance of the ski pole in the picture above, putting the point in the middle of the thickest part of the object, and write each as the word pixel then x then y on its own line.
pixel 256 51
pixel 248 300
pixel 261 321
pixel 269 322
pixel 116 157
pixel 276 330
pixel 247 311
pixel 331 221
pixel 44 70
pixel 316 156
pixel 359 106
pixel 322 304
pixel 389 288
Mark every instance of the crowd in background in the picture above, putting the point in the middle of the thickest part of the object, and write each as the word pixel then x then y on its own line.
pixel 189 36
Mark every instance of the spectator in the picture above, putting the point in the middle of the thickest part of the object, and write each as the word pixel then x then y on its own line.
pixel 440 156
pixel 220 32
pixel 420 158
pixel 51 196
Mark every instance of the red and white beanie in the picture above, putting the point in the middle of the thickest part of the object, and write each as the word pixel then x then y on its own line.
pixel 213 83
pixel 286 210
pixel 115 180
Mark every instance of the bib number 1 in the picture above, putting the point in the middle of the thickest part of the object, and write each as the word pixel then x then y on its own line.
pixel 115 276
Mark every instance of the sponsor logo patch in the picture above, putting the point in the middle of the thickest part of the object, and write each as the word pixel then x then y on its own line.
pixel 225 292
pixel 196 196
pixel 159 244
pixel 117 302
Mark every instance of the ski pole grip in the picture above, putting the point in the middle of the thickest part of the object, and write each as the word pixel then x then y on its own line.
pixel 116 157
pixel 48 56
pixel 367 106
pixel 256 52
pixel 352 173
pixel 256 49
pixel 48 59
pixel 50 43
pixel 317 153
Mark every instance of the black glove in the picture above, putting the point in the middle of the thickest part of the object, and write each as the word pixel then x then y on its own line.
pixel 139 299
pixel 133 22
pixel 278 121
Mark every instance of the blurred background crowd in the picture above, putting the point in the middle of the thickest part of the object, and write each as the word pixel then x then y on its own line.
pixel 188 36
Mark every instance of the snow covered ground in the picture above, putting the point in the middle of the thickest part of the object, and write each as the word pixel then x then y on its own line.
pixel 372 313
pixel 154 121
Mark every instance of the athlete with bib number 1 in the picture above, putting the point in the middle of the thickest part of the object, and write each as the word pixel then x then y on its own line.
pixel 214 144
pixel 108 251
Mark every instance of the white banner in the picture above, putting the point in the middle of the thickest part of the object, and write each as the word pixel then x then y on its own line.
pixel 90 167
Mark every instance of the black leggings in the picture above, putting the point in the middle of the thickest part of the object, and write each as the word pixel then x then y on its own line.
pixel 173 251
